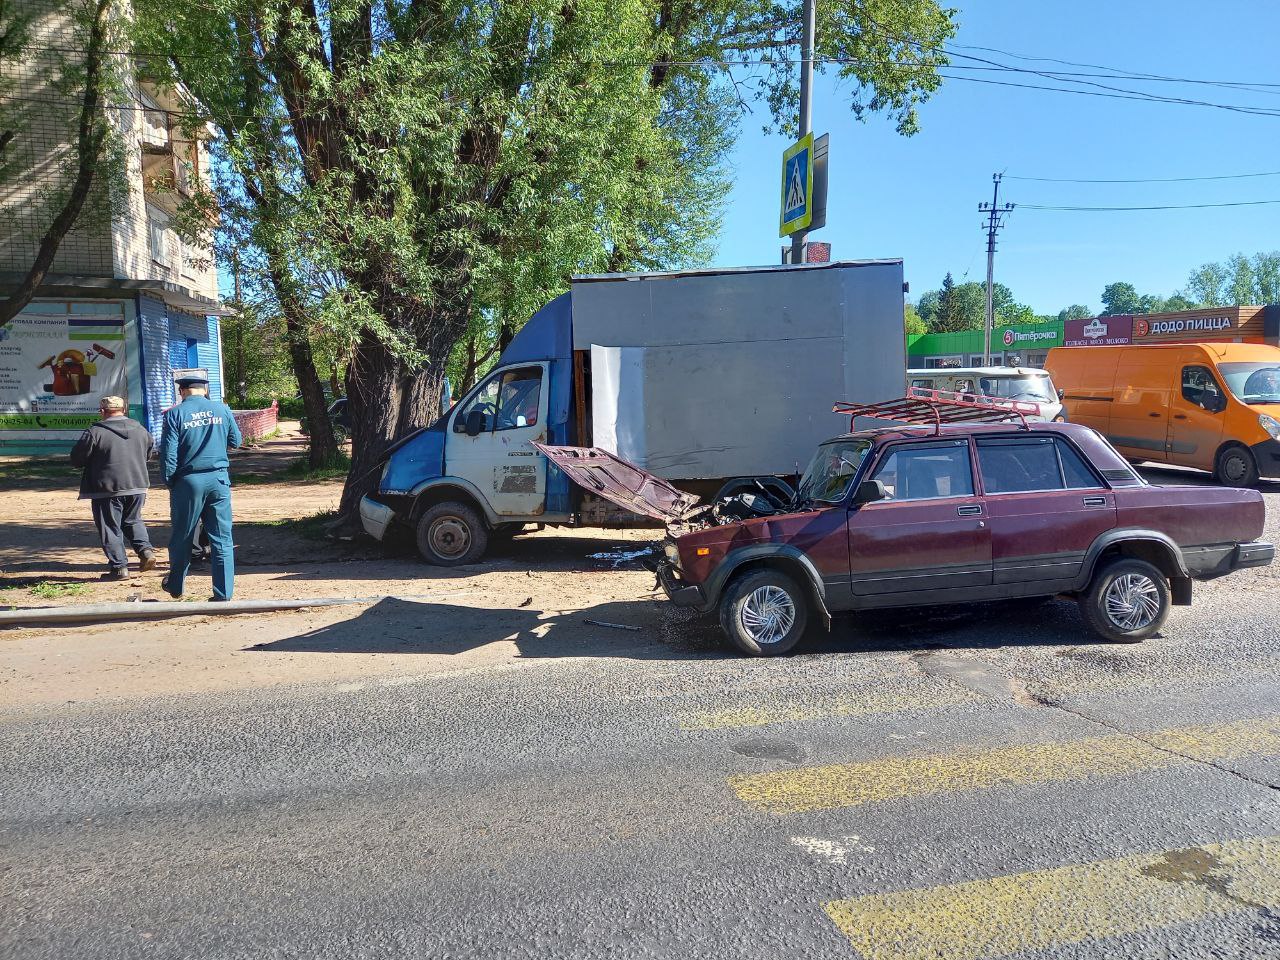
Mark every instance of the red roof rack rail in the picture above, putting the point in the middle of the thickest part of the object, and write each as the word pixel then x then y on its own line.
pixel 921 407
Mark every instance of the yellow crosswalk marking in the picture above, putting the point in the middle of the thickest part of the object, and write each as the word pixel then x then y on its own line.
pixel 851 784
pixel 938 695
pixel 1073 904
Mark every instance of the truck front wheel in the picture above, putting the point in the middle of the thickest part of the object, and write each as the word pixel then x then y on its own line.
pixel 764 613
pixel 451 534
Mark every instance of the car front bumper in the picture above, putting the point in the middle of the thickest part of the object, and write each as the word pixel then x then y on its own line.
pixel 375 517
pixel 678 592
pixel 1267 456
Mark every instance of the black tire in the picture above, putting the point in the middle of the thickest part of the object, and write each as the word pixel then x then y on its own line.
pixel 756 593
pixel 1147 588
pixel 451 534
pixel 1236 467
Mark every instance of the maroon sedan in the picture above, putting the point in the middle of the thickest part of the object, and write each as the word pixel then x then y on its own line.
pixel 914 516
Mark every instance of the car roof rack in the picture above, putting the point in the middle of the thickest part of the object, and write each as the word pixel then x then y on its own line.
pixel 922 407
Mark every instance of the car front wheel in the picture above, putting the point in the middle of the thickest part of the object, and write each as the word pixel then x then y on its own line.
pixel 764 613
pixel 1236 468
pixel 1127 601
pixel 451 534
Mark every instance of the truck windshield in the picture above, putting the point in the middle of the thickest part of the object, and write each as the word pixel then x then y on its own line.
pixel 1036 387
pixel 831 470
pixel 1257 382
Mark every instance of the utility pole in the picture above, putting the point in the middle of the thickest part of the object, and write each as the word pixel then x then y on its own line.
pixel 806 107
pixel 995 213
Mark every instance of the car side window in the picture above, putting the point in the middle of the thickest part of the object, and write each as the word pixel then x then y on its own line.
pixel 926 471
pixel 1200 387
pixel 922 384
pixel 518 398
pixel 485 401
pixel 1024 464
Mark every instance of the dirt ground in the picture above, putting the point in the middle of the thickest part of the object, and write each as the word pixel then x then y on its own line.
pixel 530 598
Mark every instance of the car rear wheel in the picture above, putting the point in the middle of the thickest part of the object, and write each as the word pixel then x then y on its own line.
pixel 451 534
pixel 764 613
pixel 1127 601
pixel 1236 468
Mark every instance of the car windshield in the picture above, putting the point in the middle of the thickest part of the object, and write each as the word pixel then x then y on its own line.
pixel 1035 387
pixel 831 470
pixel 1257 382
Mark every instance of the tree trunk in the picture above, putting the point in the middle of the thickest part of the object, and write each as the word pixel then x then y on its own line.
pixel 374 389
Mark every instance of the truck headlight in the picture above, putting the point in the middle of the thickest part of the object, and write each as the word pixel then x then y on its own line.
pixel 1269 424
pixel 670 551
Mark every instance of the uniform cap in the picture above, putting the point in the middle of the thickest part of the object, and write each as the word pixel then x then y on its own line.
pixel 193 381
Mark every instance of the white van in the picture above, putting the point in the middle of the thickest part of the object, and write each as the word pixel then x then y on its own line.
pixel 1007 383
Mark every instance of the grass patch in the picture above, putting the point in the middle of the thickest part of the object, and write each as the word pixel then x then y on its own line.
pixel 299 471
pixel 56 590
pixel 313 527
pixel 27 470
pixel 255 441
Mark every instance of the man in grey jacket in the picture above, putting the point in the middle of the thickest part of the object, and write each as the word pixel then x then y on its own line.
pixel 113 453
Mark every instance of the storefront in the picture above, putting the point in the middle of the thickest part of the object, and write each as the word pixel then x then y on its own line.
pixel 60 357
pixel 1204 325
pixel 1025 345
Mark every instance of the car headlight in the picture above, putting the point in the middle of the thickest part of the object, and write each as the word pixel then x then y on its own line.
pixel 670 551
pixel 1269 424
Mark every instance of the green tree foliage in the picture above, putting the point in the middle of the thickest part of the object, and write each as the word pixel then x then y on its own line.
pixel 1241 280
pixel 912 322
pixel 1077 311
pixel 445 166
pixel 958 307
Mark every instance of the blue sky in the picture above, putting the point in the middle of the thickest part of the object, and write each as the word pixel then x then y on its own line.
pixel 917 197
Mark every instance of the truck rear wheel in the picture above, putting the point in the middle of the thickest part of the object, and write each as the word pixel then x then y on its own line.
pixel 451 534
pixel 764 613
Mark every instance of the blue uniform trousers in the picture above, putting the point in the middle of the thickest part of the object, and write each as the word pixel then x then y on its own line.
pixel 201 496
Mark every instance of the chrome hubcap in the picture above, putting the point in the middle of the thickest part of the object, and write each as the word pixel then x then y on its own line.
pixel 768 615
pixel 450 537
pixel 1133 601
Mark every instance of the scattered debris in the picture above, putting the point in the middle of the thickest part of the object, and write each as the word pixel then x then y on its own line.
pixel 619 557
pixel 525 602
pixel 612 626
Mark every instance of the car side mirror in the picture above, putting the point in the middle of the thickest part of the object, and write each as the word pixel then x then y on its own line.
pixel 1215 403
pixel 475 423
pixel 869 491
pixel 1062 394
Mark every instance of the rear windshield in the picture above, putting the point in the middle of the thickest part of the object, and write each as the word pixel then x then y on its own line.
pixel 1035 387
pixel 1253 382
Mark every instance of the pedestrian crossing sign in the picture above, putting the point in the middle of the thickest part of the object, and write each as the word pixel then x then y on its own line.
pixel 797 186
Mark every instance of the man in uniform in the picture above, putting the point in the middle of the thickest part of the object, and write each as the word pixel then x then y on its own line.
pixel 113 454
pixel 193 458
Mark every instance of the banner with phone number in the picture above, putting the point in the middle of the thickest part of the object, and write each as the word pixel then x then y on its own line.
pixel 56 365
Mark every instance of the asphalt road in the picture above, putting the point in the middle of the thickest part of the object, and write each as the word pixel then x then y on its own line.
pixel 962 784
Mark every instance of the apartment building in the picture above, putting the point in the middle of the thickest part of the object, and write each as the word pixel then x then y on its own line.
pixel 127 303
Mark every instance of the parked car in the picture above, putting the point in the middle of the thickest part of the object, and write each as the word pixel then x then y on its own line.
pixel 1214 406
pixel 913 516
pixel 1030 384
pixel 339 419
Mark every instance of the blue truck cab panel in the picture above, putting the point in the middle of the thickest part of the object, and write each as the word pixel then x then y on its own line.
pixel 527 396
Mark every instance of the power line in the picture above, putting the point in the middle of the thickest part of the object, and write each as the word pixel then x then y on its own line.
pixel 1225 176
pixel 1176 206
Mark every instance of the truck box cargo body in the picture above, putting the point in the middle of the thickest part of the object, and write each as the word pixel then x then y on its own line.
pixel 695 376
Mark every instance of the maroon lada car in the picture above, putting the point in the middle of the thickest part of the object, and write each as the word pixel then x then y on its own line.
pixel 911 516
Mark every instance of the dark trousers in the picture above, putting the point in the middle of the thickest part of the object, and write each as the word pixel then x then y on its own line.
pixel 119 519
pixel 205 497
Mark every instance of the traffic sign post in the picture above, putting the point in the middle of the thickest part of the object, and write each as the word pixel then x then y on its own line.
pixel 797 187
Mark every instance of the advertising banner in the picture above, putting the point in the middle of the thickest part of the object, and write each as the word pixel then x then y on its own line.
pixel 57 361
pixel 1099 332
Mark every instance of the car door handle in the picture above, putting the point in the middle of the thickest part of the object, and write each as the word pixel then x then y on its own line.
pixel 970 511
pixel 1179 416
pixel 1155 414
pixel 1095 501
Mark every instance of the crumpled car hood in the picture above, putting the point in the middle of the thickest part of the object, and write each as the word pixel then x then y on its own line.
pixel 600 472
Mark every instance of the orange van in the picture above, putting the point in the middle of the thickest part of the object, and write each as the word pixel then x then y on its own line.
pixel 1215 406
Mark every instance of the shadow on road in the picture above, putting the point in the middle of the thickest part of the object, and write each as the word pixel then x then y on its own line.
pixel 400 626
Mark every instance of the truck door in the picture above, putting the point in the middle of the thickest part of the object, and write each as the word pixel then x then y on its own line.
pixel 1139 424
pixel 1199 411
pixel 489 440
